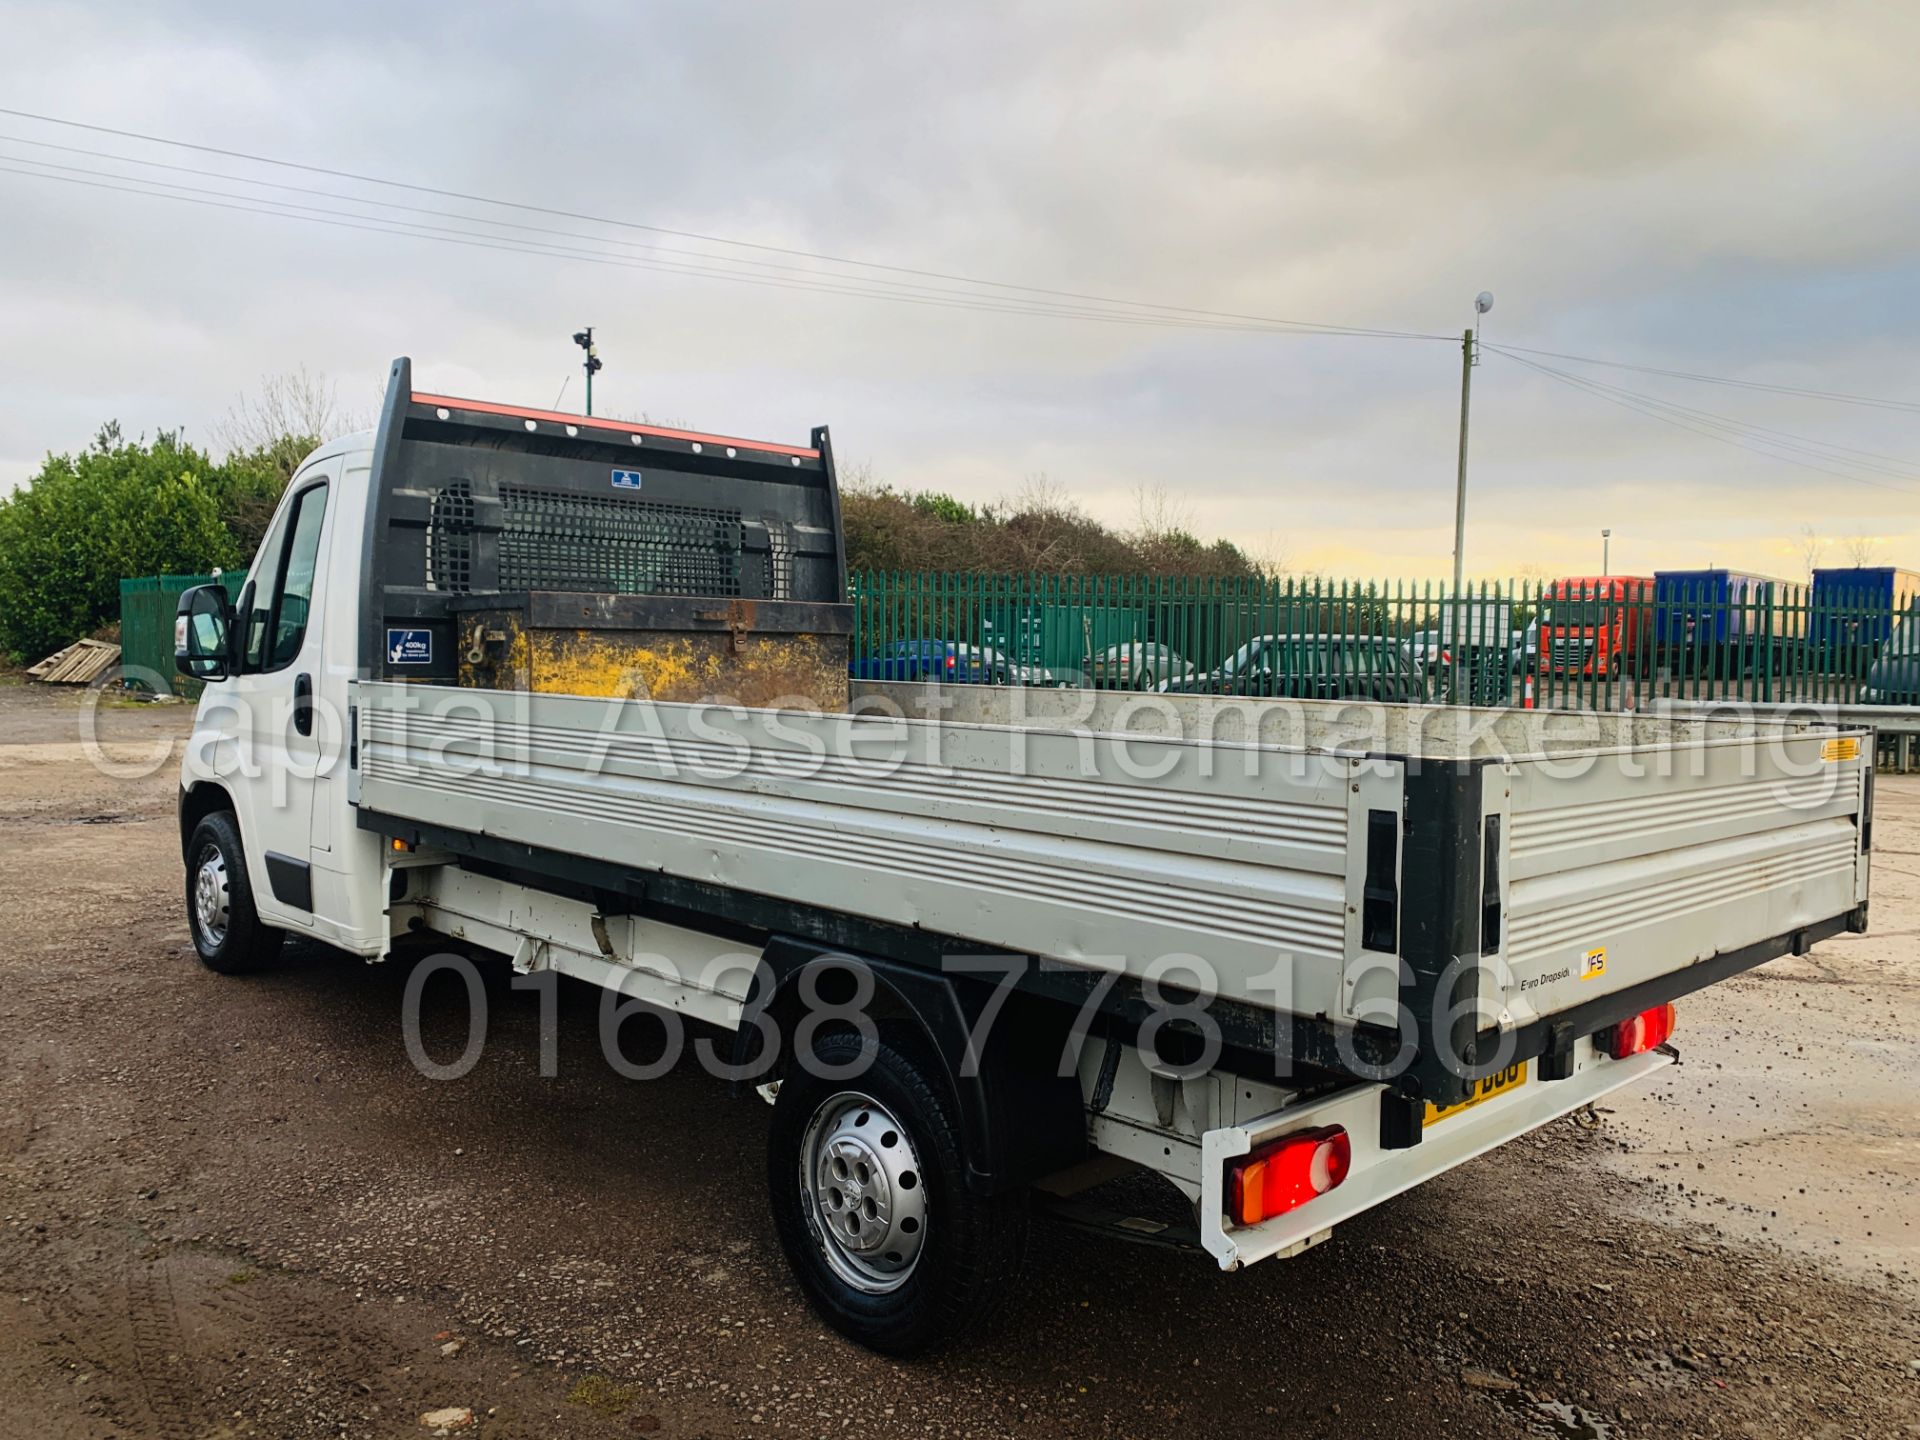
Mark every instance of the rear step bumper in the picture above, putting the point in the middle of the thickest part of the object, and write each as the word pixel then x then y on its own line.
pixel 1379 1174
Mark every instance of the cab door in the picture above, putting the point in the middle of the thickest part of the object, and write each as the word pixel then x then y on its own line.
pixel 282 625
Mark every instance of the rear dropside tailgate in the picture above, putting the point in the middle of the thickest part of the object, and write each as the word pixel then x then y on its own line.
pixel 1623 867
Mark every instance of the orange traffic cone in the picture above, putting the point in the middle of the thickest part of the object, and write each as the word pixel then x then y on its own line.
pixel 1526 693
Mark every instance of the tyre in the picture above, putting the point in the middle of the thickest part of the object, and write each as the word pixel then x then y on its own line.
pixel 870 1201
pixel 227 933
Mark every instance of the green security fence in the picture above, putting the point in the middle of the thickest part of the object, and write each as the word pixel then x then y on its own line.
pixel 1608 643
pixel 147 606
pixel 1591 643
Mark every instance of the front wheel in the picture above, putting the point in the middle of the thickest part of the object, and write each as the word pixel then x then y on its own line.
pixel 227 933
pixel 867 1177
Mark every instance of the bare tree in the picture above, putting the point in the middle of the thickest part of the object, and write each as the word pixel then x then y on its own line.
pixel 859 479
pixel 298 405
pixel 1861 549
pixel 1159 513
pixel 1810 547
pixel 1041 494
pixel 1270 557
pixel 641 417
pixel 1041 523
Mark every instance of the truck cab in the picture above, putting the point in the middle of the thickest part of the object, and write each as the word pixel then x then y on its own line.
pixel 469 544
pixel 269 746
pixel 1596 625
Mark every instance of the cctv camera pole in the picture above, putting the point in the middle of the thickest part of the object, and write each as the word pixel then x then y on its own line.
pixel 584 339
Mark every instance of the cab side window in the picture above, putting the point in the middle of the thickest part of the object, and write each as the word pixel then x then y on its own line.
pixel 284 581
pixel 265 580
pixel 295 595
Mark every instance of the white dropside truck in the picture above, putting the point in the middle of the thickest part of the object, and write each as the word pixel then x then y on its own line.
pixel 985 948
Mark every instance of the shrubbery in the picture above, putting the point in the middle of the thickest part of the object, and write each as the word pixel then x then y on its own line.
pixel 118 508
pixel 1038 531
pixel 127 508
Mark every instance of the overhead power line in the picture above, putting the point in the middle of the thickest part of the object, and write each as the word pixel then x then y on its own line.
pixel 1760 440
pixel 1838 396
pixel 855 278
pixel 1869 459
pixel 386 225
pixel 871 285
pixel 1013 289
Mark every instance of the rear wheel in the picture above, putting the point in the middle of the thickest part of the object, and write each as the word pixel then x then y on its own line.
pixel 867 1180
pixel 227 933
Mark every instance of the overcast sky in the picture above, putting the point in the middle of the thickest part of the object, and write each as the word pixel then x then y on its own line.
pixel 1717 188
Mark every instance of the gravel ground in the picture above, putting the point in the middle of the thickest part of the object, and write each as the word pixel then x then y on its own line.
pixel 232 1207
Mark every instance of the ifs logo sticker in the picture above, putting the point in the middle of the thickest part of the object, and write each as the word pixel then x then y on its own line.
pixel 1594 963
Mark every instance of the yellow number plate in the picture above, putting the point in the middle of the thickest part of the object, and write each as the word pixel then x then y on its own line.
pixel 1509 1079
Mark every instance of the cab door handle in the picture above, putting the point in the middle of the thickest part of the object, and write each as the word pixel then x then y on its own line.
pixel 303 704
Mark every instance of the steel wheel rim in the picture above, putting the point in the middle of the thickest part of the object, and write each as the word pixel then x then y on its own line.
pixel 211 896
pixel 863 1192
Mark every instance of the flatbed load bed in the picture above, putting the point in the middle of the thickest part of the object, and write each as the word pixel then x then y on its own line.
pixel 1530 864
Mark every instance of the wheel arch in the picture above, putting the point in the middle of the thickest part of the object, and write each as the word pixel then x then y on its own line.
pixel 1020 1119
pixel 208 797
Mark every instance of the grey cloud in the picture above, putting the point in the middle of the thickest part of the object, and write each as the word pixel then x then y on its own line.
pixel 1718 184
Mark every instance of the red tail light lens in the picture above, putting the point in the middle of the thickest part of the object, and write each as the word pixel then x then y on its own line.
pixel 1286 1173
pixel 1648 1030
pixel 950 662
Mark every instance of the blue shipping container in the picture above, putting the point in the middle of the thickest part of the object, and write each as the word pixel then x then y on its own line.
pixel 1853 606
pixel 1707 608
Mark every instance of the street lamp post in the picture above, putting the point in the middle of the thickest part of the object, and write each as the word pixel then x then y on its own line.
pixel 1606 545
pixel 1469 357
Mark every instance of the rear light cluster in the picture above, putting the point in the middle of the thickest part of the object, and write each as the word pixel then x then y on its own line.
pixel 1648 1030
pixel 1286 1173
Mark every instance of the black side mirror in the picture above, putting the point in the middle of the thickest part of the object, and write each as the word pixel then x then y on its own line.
pixel 202 630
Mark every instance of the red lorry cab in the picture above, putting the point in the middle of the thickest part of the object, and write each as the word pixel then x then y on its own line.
pixel 1595 624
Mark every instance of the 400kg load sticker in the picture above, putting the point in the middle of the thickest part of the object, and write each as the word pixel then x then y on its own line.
pixel 409 647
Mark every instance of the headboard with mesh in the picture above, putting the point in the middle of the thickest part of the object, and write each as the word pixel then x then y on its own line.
pixel 470 499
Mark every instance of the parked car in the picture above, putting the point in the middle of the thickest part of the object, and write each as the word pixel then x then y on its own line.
pixel 1429 650
pixel 1136 665
pixel 1894 676
pixel 943 660
pixel 1012 672
pixel 1313 667
pixel 1526 649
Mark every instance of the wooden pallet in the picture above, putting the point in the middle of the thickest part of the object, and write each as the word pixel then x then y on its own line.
pixel 81 663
